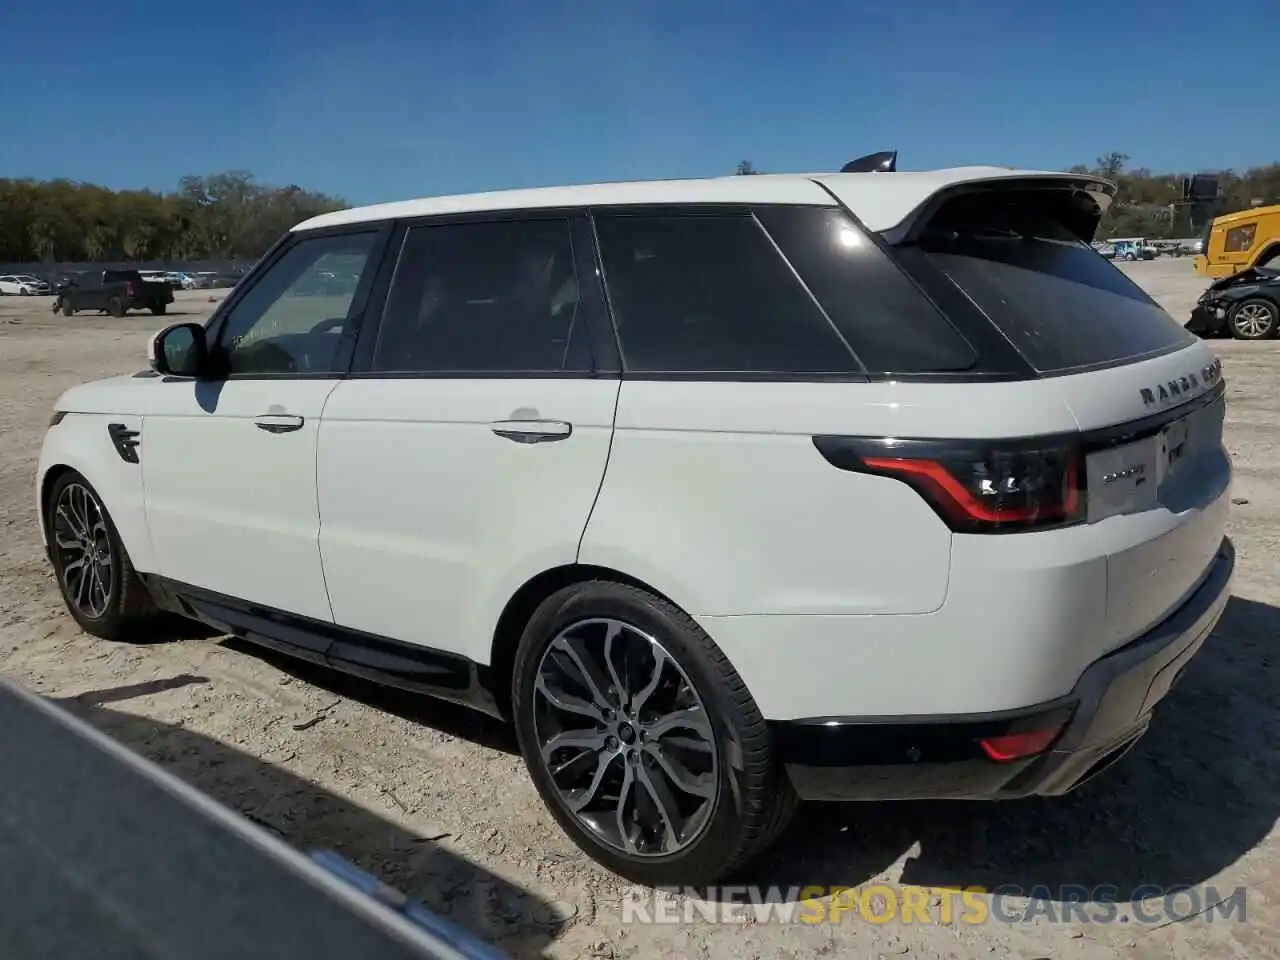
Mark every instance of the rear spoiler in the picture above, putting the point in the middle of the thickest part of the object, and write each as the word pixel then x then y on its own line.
pixel 897 204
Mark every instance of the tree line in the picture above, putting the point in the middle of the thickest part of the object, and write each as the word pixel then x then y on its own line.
pixel 221 216
pixel 229 216
pixel 1150 204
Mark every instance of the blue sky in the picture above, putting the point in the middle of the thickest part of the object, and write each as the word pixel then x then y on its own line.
pixel 384 100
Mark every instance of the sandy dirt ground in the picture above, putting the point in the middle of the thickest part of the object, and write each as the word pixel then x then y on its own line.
pixel 436 801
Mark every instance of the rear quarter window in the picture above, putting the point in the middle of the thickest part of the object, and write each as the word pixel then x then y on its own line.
pixel 890 324
pixel 710 294
pixel 1062 305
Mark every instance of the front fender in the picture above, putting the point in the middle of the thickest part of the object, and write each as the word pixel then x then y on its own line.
pixel 83 442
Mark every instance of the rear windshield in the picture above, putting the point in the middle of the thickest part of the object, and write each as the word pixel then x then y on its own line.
pixel 1060 303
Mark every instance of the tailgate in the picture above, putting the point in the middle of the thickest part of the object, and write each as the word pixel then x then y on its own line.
pixel 1157 482
pixel 1147 395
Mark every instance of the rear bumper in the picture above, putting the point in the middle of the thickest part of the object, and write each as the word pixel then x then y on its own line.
pixel 1105 713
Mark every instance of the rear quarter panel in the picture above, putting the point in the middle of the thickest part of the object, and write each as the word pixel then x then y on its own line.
pixel 716 495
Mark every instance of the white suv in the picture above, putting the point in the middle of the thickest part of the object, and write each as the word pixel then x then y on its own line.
pixel 725 492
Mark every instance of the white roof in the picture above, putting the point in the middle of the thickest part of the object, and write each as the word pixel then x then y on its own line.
pixel 880 200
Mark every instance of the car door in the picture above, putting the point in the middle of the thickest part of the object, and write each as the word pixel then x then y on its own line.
pixel 463 457
pixel 229 464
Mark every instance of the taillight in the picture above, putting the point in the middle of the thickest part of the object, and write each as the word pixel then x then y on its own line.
pixel 129 288
pixel 976 486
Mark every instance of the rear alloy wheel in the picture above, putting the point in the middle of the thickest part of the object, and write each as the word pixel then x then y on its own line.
pixel 659 807
pixel 102 592
pixel 1254 319
pixel 642 739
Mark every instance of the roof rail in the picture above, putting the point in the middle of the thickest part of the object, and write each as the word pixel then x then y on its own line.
pixel 886 161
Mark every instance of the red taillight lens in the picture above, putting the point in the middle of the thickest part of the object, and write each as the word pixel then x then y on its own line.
pixel 980 486
pixel 129 288
pixel 1016 746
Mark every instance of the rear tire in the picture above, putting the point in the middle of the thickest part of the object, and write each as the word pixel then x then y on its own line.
pixel 101 589
pixel 115 307
pixel 1254 319
pixel 665 771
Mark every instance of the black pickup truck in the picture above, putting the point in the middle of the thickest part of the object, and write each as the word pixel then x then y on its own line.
pixel 113 291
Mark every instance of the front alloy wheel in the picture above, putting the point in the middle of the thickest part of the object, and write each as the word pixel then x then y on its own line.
pixel 84 555
pixel 96 577
pixel 1255 320
pixel 625 738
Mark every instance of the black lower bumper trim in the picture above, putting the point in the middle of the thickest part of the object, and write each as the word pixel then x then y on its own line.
pixel 941 757
pixel 1205 321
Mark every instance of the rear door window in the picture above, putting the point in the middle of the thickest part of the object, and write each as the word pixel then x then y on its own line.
pixel 1060 304
pixel 476 297
pixel 709 293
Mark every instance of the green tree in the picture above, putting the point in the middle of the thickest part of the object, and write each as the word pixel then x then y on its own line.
pixel 1150 204
pixel 222 215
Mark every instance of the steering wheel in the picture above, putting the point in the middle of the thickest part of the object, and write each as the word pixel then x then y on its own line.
pixel 329 326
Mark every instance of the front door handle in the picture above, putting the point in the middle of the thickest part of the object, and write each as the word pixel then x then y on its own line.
pixel 532 431
pixel 278 422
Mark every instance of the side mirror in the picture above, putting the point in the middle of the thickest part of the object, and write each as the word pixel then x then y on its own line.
pixel 180 350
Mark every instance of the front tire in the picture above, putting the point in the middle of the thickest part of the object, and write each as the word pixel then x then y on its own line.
pixel 67 309
pixel 642 739
pixel 99 585
pixel 1254 319
pixel 159 310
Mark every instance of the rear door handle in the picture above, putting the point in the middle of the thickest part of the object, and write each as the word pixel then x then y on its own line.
pixel 532 431
pixel 278 422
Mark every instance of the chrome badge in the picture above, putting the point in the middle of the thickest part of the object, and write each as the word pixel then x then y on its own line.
pixel 1135 472
pixel 1183 386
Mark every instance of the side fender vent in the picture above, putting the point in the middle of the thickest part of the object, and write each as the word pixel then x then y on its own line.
pixel 125 441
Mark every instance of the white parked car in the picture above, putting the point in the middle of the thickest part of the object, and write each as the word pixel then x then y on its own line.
pixel 24 285
pixel 182 281
pixel 725 492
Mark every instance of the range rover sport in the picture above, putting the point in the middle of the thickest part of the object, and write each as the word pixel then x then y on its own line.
pixel 726 493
